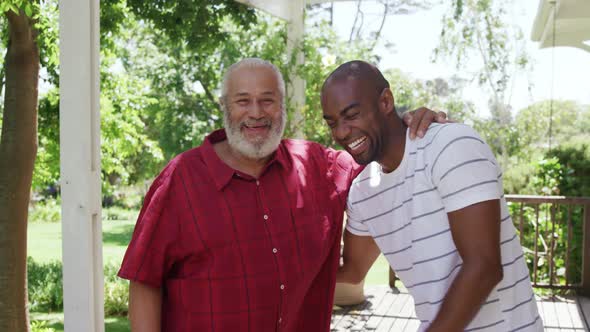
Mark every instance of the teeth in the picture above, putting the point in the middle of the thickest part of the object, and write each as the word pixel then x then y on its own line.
pixel 356 143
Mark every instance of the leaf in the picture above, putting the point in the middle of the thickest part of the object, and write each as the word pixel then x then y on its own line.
pixel 28 10
pixel 12 7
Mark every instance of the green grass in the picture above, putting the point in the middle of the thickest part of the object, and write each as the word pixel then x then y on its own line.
pixel 55 321
pixel 44 240
pixel 379 273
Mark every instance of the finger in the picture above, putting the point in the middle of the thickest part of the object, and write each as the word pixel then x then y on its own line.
pixel 427 119
pixel 407 117
pixel 441 117
pixel 416 118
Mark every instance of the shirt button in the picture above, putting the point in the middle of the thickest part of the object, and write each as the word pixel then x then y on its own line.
pixel 257 182
pixel 280 320
pixel 265 217
pixel 274 250
pixel 282 286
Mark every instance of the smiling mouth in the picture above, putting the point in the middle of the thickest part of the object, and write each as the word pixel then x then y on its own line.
pixel 256 127
pixel 357 143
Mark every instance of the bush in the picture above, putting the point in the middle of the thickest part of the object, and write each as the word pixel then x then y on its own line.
pixel 40 326
pixel 565 170
pixel 46 289
pixel 575 159
pixel 118 213
pixel 45 286
pixel 116 293
pixel 45 211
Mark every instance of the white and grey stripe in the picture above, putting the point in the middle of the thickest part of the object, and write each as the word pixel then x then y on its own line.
pixel 405 211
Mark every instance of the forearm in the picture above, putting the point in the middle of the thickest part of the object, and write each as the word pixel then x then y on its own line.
pixel 348 274
pixel 464 298
pixel 145 308
pixel 358 255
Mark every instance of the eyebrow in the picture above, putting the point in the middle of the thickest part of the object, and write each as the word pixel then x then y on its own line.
pixel 345 109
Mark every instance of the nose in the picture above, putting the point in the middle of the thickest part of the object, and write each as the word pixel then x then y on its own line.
pixel 256 111
pixel 340 131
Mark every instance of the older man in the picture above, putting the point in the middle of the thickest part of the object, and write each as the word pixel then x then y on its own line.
pixel 243 232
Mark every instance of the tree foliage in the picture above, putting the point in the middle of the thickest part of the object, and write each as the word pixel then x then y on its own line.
pixel 478 37
pixel 479 30
pixel 131 109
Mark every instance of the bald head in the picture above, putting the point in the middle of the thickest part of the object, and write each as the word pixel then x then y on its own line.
pixel 358 72
pixel 359 108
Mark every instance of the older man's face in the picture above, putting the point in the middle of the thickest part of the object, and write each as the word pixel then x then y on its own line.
pixel 254 117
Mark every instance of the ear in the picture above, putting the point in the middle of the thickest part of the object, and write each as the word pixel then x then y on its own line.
pixel 386 102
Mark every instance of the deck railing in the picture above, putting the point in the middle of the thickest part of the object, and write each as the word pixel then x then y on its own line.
pixel 555 235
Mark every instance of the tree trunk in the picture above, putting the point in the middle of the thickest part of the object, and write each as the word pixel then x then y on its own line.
pixel 18 149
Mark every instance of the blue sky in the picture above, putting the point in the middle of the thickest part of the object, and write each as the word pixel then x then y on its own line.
pixel 415 37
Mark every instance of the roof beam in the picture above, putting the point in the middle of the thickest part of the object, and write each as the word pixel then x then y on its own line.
pixel 315 2
pixel 278 8
pixel 571 19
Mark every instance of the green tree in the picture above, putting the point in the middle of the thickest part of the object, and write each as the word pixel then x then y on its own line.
pixel 29 36
pixel 569 122
pixel 527 140
pixel 478 32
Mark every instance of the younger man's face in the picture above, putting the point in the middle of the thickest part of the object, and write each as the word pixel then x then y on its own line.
pixel 351 110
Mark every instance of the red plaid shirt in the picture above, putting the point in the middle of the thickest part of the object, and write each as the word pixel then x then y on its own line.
pixel 234 253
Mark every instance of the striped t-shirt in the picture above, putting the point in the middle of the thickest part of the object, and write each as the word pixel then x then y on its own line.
pixel 406 213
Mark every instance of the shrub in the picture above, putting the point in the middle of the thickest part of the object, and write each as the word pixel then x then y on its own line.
pixel 116 292
pixel 118 213
pixel 46 290
pixel 45 286
pixel 565 170
pixel 40 326
pixel 45 211
pixel 575 158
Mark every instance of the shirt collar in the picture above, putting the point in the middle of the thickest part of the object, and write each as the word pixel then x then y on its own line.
pixel 221 172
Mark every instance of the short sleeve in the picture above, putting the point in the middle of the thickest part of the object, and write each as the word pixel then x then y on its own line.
pixel 353 222
pixel 151 252
pixel 463 168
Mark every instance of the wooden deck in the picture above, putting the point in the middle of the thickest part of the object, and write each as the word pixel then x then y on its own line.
pixel 393 310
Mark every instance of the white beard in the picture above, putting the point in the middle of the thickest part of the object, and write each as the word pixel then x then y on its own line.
pixel 259 148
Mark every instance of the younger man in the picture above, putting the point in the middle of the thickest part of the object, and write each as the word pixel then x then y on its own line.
pixel 433 206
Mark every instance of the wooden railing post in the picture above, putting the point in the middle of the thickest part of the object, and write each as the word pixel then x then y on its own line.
pixel 586 252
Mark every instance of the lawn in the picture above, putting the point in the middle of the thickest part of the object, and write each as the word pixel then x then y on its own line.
pixel 44 240
pixel 55 321
pixel 44 245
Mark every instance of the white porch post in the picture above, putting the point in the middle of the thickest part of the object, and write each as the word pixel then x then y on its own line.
pixel 80 166
pixel 296 88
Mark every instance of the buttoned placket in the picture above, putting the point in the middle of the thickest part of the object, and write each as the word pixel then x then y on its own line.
pixel 275 250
